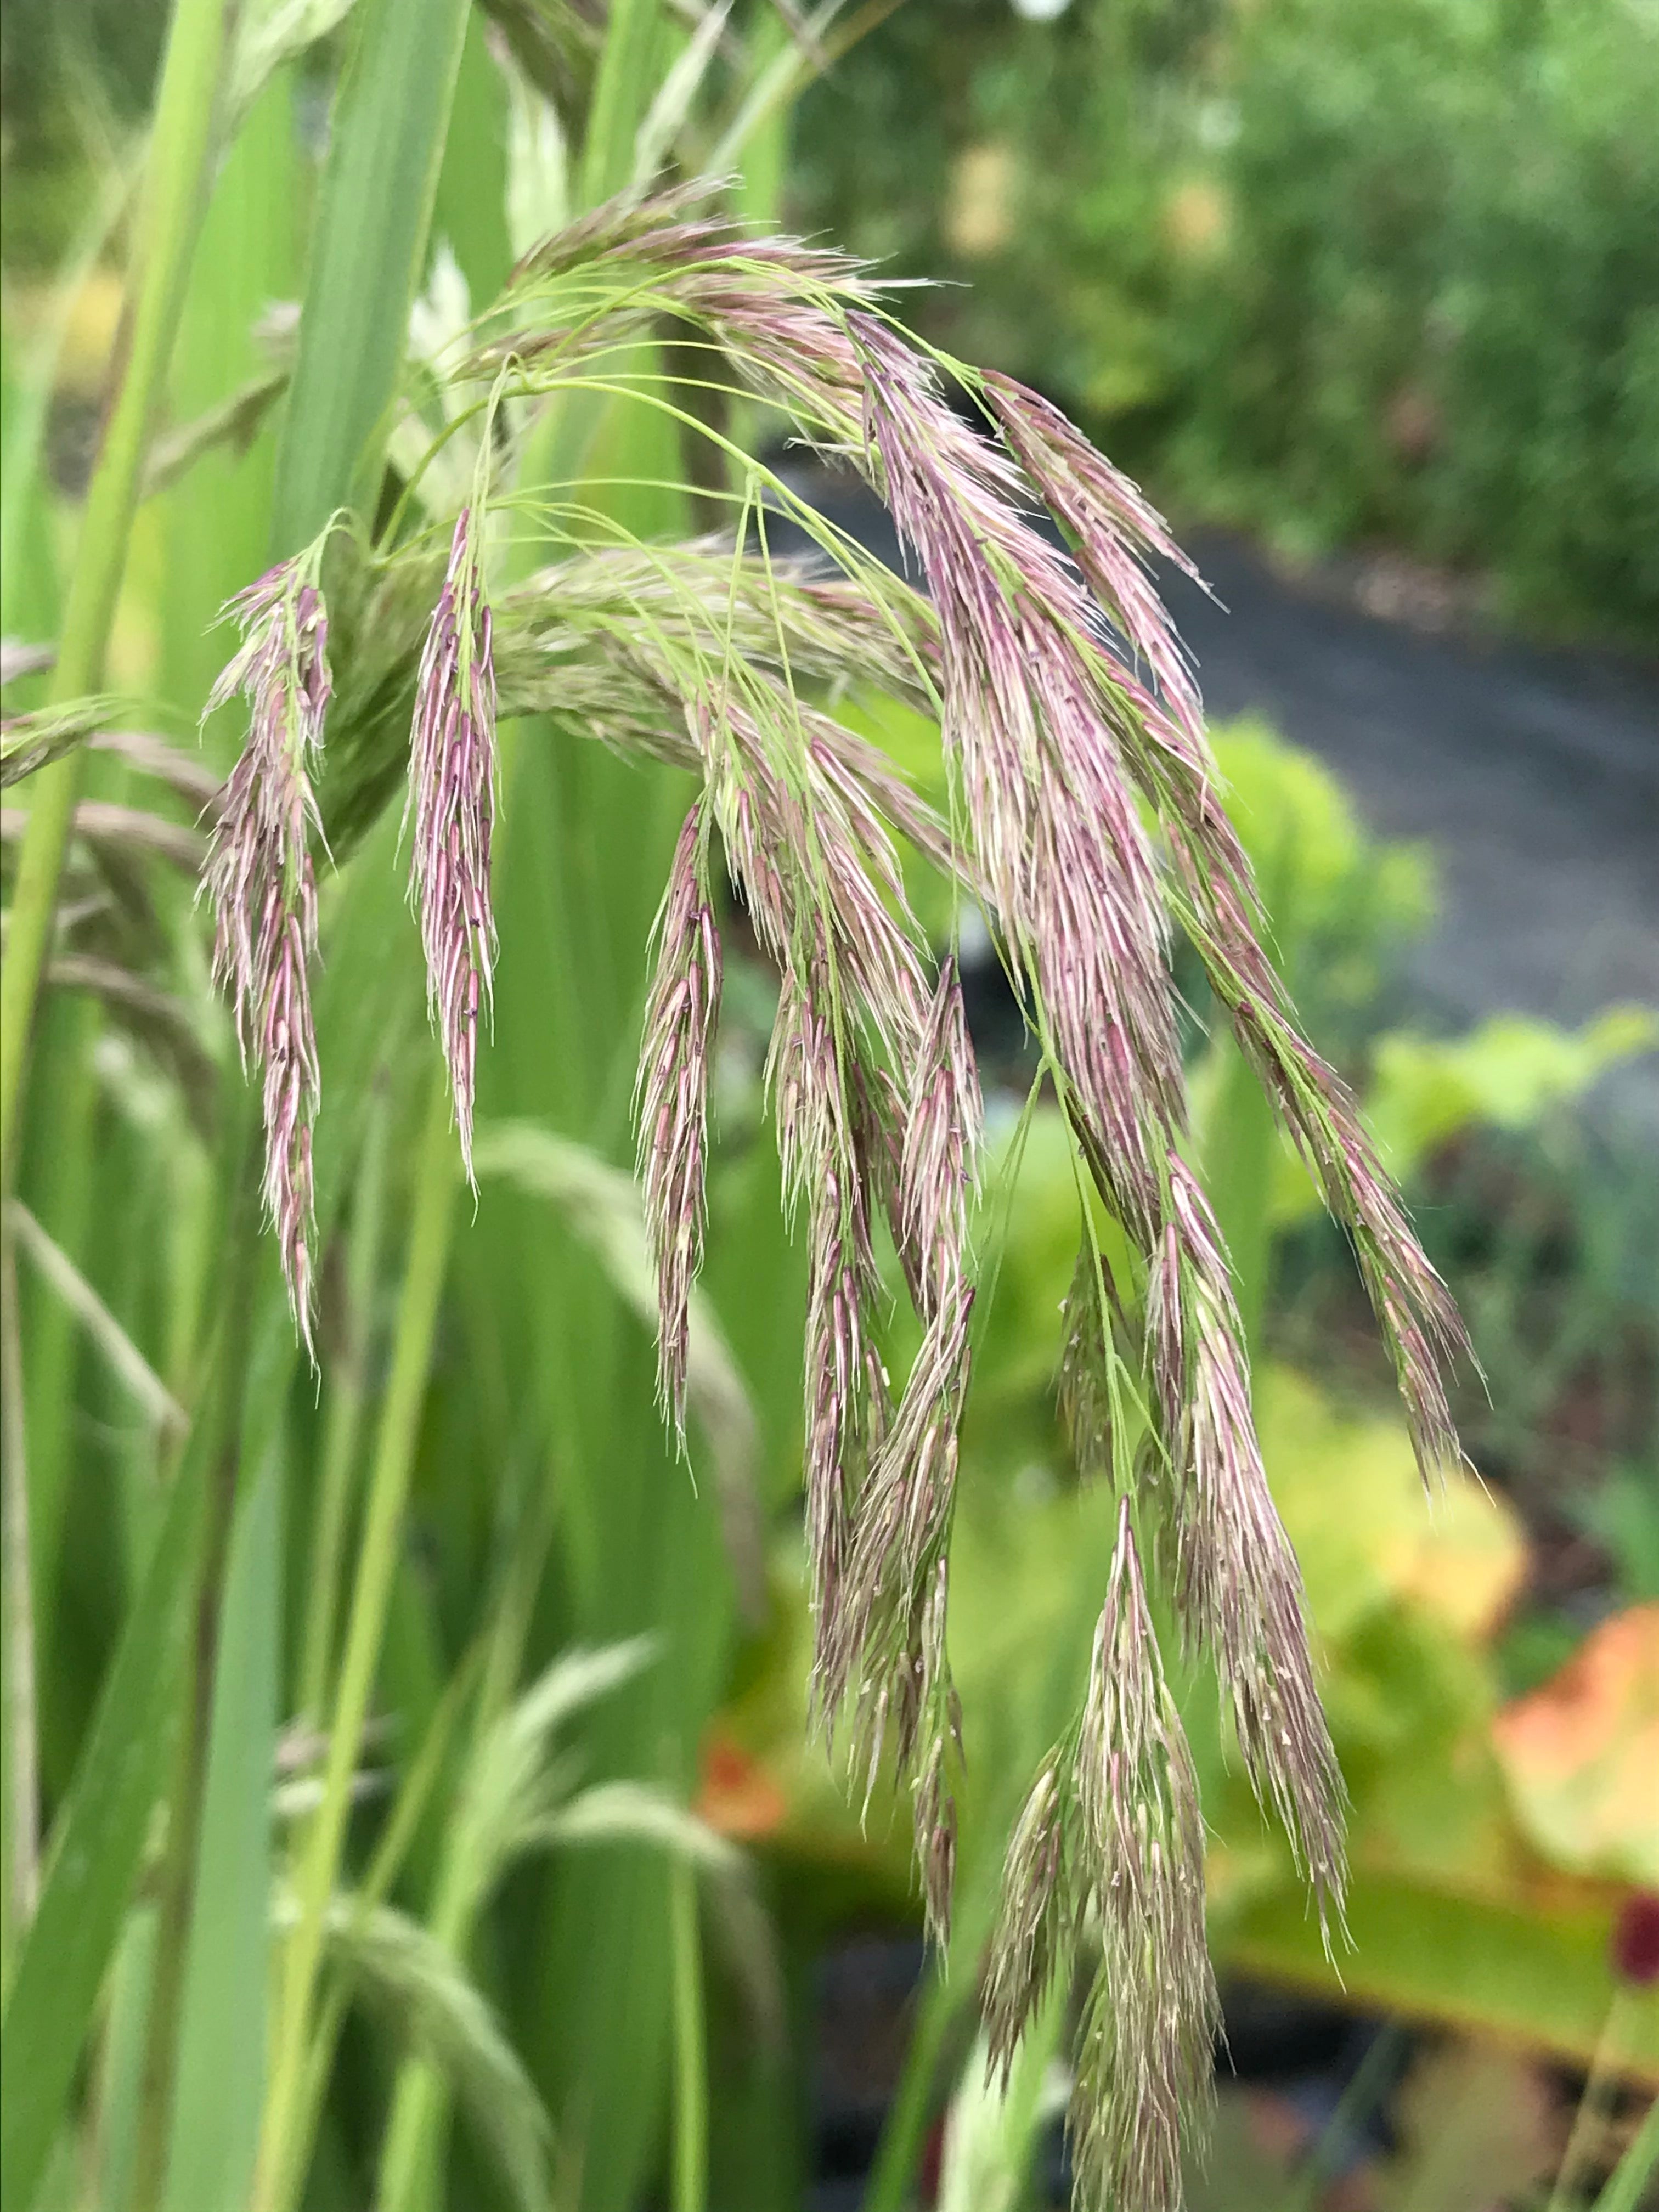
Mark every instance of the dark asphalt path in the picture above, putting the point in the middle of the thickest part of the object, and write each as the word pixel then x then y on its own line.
pixel 1533 775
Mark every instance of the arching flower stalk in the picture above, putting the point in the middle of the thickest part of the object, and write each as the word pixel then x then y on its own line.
pixel 452 807
pixel 260 881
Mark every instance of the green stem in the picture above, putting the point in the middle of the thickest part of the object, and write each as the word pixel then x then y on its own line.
pixel 20 1781
pixel 905 2131
pixel 348 1394
pixel 1626 2191
pixel 183 1835
pixel 1240 1147
pixel 690 2058
pixel 181 145
pixel 377 1561
pixel 1564 2195
pixel 411 2157
pixel 1362 2097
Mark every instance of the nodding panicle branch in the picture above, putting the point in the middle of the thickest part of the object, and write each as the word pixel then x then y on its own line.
pixel 452 807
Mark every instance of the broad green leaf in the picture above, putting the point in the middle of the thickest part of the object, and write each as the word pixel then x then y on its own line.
pixel 216 2114
pixel 121 2060
pixel 97 1846
pixel 469 215
pixel 215 520
pixel 1477 2126
pixel 1368 1536
pixel 628 72
pixel 1534 1971
pixel 991 2134
pixel 1278 795
pixel 386 148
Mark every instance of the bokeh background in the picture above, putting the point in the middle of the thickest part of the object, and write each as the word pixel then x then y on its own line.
pixel 1366 294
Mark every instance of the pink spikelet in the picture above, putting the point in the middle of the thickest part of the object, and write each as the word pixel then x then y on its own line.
pixel 1114 528
pixel 1238 1586
pixel 845 1394
pixel 451 805
pixel 671 1100
pixel 1111 1836
pixel 260 881
pixel 1144 2062
pixel 1068 862
pixel 939 1163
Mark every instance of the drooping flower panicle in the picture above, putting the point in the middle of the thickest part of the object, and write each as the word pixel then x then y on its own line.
pixel 260 881
pixel 452 809
pixel 1085 821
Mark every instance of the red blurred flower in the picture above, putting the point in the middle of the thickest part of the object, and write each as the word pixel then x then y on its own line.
pixel 1636 1940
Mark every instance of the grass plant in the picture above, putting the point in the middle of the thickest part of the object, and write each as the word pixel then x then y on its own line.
pixel 373 1575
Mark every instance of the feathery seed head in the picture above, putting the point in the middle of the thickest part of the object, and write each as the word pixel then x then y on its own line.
pixel 451 806
pixel 1037 1916
pixel 1239 1588
pixel 1144 2067
pixel 938 1161
pixel 1086 820
pixel 1112 527
pixel 934 1813
pixel 259 878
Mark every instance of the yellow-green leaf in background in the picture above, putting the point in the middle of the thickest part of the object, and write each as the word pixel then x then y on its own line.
pixel 1534 1971
pixel 1507 1074
pixel 1365 1530
pixel 1581 1755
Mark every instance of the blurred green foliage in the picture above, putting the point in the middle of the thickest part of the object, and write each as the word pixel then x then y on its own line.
pixel 1341 270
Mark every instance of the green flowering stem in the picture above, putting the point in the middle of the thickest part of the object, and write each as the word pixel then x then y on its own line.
pixel 690 2057
pixel 343 1427
pixel 182 140
pixel 377 1563
pixel 19 1788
